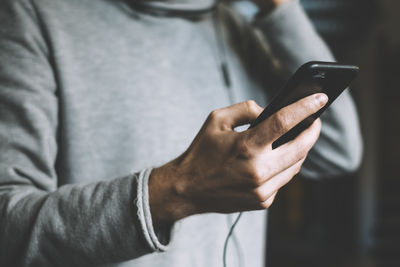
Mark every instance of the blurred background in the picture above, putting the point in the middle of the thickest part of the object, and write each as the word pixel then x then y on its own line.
pixel 353 220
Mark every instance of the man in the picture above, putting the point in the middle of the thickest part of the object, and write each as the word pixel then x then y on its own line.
pixel 96 97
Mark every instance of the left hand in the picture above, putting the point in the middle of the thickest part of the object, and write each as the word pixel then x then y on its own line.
pixel 266 6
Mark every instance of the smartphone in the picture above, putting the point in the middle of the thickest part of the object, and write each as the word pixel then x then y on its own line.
pixel 312 77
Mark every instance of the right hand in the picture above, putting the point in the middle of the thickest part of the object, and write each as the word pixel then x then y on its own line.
pixel 226 171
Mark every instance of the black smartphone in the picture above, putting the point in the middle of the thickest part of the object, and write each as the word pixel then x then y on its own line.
pixel 312 77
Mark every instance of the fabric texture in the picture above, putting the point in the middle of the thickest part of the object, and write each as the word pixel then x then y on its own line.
pixel 144 214
pixel 91 90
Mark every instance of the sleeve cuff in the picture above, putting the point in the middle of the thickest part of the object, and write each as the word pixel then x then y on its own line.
pixel 156 241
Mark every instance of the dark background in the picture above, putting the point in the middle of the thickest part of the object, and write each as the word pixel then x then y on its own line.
pixel 352 220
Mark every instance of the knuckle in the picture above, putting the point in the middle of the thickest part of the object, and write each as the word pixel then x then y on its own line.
pixel 300 152
pixel 252 107
pixel 279 123
pixel 256 179
pixel 267 203
pixel 310 105
pixel 259 196
pixel 255 176
pixel 270 201
pixel 299 166
pixel 244 150
pixel 215 115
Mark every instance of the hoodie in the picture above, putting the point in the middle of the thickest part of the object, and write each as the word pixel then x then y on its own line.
pixel 94 94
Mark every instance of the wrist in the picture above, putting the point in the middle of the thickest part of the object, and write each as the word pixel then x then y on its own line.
pixel 166 198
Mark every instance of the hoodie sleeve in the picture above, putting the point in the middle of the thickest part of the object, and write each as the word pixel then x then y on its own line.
pixel 294 41
pixel 42 224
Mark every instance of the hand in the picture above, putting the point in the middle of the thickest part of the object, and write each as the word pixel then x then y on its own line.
pixel 226 171
pixel 266 6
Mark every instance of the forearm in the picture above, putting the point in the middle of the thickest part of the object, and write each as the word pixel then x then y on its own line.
pixel 94 224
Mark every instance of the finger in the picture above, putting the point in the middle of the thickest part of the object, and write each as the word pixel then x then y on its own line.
pixel 237 114
pixel 265 133
pixel 299 147
pixel 267 190
pixel 267 204
pixel 278 160
pixel 264 190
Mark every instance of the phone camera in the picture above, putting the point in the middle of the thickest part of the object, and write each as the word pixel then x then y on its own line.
pixel 320 75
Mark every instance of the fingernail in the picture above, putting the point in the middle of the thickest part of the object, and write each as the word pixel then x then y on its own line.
pixel 321 99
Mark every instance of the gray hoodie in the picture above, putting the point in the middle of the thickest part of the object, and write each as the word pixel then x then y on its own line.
pixel 93 94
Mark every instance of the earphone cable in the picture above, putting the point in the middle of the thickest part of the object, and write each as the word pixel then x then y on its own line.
pixel 163 11
pixel 228 238
pixel 220 39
